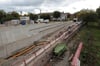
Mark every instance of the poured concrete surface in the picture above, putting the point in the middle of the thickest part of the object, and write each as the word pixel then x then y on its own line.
pixel 13 38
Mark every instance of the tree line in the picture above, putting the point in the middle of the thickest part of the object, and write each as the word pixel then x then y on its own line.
pixel 87 15
pixel 8 16
pixel 15 15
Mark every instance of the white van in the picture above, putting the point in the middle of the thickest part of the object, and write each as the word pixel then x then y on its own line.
pixel 40 20
pixel 46 21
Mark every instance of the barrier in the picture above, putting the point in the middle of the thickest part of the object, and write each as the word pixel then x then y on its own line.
pixel 75 61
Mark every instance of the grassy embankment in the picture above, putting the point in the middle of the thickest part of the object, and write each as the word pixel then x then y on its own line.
pixel 90 36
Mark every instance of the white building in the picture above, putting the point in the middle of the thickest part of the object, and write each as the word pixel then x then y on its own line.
pixel 25 19
pixel 63 16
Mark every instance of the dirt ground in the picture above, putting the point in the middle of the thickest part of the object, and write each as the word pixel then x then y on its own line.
pixel 64 59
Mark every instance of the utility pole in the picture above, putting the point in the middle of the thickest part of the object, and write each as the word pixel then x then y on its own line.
pixel 39 14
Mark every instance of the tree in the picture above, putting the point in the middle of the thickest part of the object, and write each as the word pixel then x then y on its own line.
pixel 98 12
pixel 11 15
pixel 45 16
pixel 14 15
pixel 56 14
pixel 68 15
pixel 8 17
pixel 87 16
pixel 26 15
pixel 33 16
pixel 2 16
pixel 90 17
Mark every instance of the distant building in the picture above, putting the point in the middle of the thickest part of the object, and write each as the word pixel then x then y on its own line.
pixel 63 16
pixel 12 22
pixel 15 22
pixel 24 20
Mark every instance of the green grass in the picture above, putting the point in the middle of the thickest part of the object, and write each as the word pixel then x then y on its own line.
pixel 91 38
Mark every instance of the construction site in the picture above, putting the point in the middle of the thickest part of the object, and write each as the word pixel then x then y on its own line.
pixel 33 45
pixel 49 33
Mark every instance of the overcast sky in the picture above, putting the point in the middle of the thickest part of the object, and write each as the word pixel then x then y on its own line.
pixel 48 5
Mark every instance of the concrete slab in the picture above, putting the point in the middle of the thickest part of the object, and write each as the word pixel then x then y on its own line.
pixel 15 38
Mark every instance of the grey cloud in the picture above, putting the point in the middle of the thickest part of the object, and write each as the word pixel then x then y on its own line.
pixel 26 2
pixel 27 5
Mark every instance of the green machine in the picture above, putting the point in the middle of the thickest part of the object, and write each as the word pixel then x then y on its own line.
pixel 60 49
